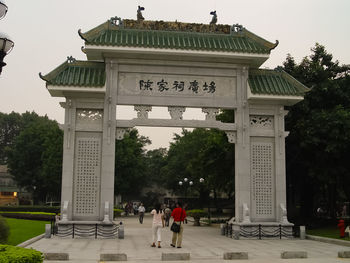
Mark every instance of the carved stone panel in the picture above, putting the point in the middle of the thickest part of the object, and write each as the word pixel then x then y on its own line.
pixel 210 113
pixel 174 89
pixel 176 112
pixel 262 179
pixel 89 119
pixel 142 111
pixel 261 122
pixel 87 173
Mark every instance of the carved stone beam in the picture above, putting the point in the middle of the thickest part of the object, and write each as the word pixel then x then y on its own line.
pixel 176 112
pixel 210 113
pixel 120 132
pixel 142 111
pixel 231 136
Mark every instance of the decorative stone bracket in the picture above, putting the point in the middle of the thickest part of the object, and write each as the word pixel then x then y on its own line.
pixel 231 136
pixel 120 132
pixel 106 213
pixel 65 211
pixel 246 217
pixel 142 111
pixel 210 113
pixel 283 211
pixel 176 112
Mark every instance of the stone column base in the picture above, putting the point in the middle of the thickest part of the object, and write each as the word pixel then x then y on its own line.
pixel 87 229
pixel 262 230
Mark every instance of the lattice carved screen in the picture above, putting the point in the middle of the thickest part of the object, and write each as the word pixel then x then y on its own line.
pixel 87 174
pixel 263 179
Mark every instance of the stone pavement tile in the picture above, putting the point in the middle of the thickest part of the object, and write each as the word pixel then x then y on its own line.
pixel 204 243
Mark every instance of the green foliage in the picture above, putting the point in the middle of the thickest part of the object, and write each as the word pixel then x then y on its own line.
pixel 319 142
pixel 199 154
pixel 117 212
pixel 130 166
pixel 155 161
pixel 19 255
pixel 4 230
pixel 22 230
pixel 330 232
pixel 29 215
pixel 35 157
pixel 196 213
pixel 10 127
pixel 46 209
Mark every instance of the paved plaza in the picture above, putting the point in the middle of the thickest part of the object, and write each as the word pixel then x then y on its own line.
pixel 205 244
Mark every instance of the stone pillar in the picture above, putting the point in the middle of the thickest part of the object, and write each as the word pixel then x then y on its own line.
pixel 242 149
pixel 68 156
pixel 281 191
pixel 108 139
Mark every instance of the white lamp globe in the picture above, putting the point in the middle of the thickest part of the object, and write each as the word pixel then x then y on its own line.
pixel 3 8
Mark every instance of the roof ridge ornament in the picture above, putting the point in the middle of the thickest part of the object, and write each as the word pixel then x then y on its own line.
pixel 117 21
pixel 70 59
pixel 214 18
pixel 139 14
pixel 237 28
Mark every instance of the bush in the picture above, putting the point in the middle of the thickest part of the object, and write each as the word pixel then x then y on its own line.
pixel 30 216
pixel 19 255
pixel 117 212
pixel 4 230
pixel 196 213
pixel 27 208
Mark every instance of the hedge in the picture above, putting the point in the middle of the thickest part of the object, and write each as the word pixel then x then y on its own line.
pixel 196 213
pixel 28 208
pixel 117 212
pixel 19 255
pixel 29 216
pixel 4 231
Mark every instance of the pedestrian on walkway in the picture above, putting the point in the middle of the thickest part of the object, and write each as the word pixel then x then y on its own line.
pixel 167 212
pixel 157 224
pixel 141 211
pixel 179 215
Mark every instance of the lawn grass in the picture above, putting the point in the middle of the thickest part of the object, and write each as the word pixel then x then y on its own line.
pixel 330 232
pixel 22 230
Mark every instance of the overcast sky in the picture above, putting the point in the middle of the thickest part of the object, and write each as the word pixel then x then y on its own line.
pixel 45 33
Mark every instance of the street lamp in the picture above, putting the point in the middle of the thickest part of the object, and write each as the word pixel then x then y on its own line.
pixel 6 44
pixel 3 9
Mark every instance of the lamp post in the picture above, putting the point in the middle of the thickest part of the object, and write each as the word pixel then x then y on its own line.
pixel 186 181
pixel 6 44
pixel 3 9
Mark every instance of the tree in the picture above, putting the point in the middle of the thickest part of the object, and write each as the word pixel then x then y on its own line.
pixel 130 165
pixel 199 154
pixel 35 158
pixel 10 127
pixel 155 161
pixel 319 140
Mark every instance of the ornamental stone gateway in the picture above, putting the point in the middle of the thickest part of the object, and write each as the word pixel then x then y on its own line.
pixel 175 65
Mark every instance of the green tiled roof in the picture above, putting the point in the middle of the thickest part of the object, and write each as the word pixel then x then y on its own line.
pixel 272 82
pixel 177 36
pixel 77 73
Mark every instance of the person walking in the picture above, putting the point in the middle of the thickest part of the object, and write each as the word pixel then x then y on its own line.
pixel 179 215
pixel 167 212
pixel 157 224
pixel 141 211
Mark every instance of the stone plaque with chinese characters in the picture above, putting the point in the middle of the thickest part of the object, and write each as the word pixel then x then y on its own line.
pixel 157 88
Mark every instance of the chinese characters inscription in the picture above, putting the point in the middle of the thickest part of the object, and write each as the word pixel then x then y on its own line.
pixel 178 86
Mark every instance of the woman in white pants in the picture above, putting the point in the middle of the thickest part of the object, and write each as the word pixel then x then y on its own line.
pixel 157 224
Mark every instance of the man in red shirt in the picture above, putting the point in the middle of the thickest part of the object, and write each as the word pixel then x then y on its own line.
pixel 179 215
